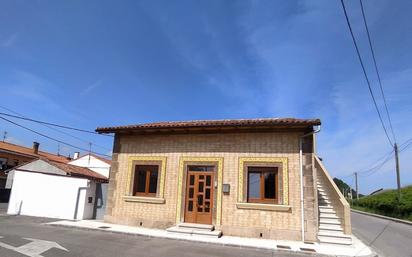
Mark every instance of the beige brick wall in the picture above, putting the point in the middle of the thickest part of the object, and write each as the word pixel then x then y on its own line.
pixel 239 222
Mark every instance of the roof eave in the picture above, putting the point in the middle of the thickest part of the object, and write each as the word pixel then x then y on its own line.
pixel 207 129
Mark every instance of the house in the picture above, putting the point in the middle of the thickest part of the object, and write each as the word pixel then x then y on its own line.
pixel 54 189
pixel 101 166
pixel 12 155
pixel 249 177
pixel 93 162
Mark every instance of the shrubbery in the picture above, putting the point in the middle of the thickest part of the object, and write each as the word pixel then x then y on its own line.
pixel 386 203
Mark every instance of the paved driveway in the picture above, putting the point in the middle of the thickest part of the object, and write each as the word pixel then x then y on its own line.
pixel 388 238
pixel 13 230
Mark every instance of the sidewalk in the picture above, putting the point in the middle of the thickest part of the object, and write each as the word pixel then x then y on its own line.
pixel 357 249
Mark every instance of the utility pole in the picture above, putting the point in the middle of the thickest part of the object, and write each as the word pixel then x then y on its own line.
pixel 4 136
pixel 398 177
pixel 90 152
pixel 356 182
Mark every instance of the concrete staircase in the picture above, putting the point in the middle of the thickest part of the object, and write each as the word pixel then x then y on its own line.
pixel 330 227
pixel 194 229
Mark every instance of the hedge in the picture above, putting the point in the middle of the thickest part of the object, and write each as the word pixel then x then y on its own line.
pixel 387 204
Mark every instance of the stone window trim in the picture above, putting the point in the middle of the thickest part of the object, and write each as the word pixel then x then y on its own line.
pixel 263 207
pixel 146 160
pixel 282 164
pixel 142 199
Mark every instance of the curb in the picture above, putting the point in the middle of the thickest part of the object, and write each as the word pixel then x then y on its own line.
pixel 200 242
pixel 383 217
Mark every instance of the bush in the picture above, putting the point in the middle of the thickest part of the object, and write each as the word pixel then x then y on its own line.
pixel 386 203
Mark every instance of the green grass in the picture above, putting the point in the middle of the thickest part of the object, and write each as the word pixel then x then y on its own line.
pixel 387 204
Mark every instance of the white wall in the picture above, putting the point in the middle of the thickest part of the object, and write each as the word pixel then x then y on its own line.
pixel 92 163
pixel 36 165
pixel 43 195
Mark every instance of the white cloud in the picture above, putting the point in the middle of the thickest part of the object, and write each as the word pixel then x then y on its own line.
pixel 10 40
pixel 91 87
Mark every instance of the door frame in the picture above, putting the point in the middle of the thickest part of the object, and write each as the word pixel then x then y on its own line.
pixel 195 214
pixel 182 175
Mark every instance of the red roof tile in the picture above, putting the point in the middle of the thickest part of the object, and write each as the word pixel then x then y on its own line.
pixel 210 124
pixel 18 149
pixel 76 171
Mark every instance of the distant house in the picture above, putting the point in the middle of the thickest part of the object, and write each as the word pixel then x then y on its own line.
pixel 101 166
pixel 12 155
pixel 249 177
pixel 93 162
pixel 54 189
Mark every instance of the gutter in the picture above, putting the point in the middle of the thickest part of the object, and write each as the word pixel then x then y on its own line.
pixel 301 180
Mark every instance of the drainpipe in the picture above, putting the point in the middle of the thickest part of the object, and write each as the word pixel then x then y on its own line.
pixel 301 180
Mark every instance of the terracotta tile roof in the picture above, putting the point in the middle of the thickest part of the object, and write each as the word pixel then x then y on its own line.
pixel 28 151
pixel 76 171
pixel 210 124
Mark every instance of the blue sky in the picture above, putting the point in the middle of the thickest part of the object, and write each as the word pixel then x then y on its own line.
pixel 96 63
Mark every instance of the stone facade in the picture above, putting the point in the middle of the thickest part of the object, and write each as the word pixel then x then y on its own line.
pixel 279 222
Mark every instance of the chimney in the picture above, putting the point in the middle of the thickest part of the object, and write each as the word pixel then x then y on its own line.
pixel 76 155
pixel 36 147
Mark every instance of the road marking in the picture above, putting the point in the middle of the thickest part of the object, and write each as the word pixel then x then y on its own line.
pixel 34 248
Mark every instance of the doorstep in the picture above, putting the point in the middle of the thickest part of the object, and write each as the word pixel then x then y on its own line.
pixel 356 249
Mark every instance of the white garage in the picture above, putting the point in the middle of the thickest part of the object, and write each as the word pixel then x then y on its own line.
pixel 56 190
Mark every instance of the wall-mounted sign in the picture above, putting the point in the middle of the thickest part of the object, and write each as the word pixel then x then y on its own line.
pixel 226 188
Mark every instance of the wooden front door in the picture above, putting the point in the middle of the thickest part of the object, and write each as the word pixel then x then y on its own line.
pixel 199 196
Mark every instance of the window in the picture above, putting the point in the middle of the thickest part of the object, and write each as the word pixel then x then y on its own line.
pixel 262 184
pixel 145 180
pixel 3 163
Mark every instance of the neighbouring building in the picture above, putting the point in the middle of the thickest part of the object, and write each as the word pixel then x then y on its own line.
pixel 12 155
pixel 53 189
pixel 93 162
pixel 251 177
pixel 101 166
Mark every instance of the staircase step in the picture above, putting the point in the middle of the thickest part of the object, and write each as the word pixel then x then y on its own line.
pixel 196 226
pixel 329 221
pixel 333 240
pixel 327 211
pixel 195 232
pixel 330 233
pixel 328 215
pixel 324 201
pixel 322 194
pixel 330 227
pixel 326 207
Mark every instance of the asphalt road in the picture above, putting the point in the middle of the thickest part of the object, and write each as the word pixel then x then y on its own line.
pixel 387 238
pixel 13 230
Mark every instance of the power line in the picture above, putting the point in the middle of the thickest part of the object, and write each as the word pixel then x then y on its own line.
pixel 53 124
pixel 60 131
pixel 364 72
pixel 406 142
pixel 51 138
pixel 377 167
pixel 376 163
pixel 406 146
pixel 377 70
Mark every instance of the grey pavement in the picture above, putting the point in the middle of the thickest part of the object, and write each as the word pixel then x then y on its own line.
pixel 387 238
pixel 3 207
pixel 13 230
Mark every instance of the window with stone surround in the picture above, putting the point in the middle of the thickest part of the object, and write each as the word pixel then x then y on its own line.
pixel 262 184
pixel 145 180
